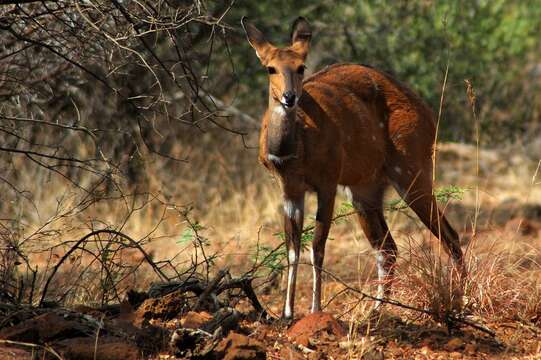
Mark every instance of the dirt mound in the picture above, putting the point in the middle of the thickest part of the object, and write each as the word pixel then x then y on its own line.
pixel 47 328
pixel 318 325
pixel 237 346
pixel 163 308
pixel 105 348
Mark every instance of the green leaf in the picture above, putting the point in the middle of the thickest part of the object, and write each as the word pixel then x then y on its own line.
pixel 186 236
pixel 447 193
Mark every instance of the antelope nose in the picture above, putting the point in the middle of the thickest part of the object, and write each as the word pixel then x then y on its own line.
pixel 289 98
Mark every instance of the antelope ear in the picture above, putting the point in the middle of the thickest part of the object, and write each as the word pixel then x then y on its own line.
pixel 256 40
pixel 301 34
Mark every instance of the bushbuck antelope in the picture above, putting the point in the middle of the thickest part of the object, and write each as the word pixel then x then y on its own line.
pixel 349 125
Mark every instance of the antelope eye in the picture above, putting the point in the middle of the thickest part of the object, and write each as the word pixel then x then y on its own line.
pixel 271 70
pixel 300 70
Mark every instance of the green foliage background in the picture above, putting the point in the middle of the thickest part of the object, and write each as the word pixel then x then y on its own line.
pixel 494 44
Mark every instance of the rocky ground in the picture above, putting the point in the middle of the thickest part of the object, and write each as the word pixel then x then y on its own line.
pixel 161 328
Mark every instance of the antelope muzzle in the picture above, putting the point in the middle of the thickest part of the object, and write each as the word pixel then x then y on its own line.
pixel 289 99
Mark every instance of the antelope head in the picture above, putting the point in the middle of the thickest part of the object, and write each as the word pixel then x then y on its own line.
pixel 285 67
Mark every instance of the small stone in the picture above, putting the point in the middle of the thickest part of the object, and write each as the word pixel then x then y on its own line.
pixel 374 355
pixel 195 320
pixel 454 344
pixel 470 349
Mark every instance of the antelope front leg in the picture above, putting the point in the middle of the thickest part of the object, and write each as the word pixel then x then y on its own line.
pixel 325 205
pixel 293 220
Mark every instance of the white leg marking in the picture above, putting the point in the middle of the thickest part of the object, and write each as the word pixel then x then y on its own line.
pixel 382 274
pixel 315 279
pixel 292 257
pixel 289 208
pixel 293 209
pixel 287 309
pixel 349 194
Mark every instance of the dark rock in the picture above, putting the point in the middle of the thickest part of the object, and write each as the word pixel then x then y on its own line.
pixel 136 298
pixel 224 320
pixel 191 343
pixel 47 328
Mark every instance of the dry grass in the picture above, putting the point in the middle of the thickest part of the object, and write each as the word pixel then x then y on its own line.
pixel 238 204
pixel 502 283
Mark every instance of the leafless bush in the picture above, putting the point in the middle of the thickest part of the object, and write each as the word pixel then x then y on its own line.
pixel 91 92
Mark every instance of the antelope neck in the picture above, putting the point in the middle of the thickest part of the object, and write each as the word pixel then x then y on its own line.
pixel 281 133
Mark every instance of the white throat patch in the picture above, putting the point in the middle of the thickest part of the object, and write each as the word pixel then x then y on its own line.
pixel 279 110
